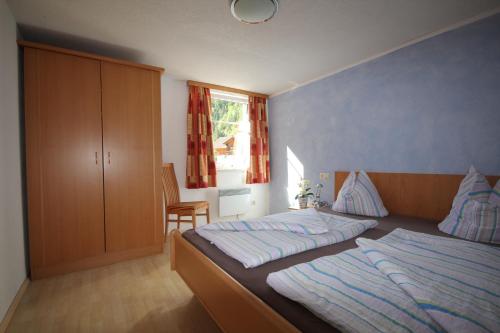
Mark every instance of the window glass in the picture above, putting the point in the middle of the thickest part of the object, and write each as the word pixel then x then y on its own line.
pixel 230 130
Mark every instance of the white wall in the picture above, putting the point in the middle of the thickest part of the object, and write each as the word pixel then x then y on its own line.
pixel 12 259
pixel 174 109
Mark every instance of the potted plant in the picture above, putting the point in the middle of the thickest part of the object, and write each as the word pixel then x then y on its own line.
pixel 304 193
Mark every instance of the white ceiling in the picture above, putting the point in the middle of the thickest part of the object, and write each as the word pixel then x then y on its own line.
pixel 200 40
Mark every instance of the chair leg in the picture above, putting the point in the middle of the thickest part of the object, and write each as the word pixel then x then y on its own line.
pixel 208 215
pixel 178 221
pixel 193 218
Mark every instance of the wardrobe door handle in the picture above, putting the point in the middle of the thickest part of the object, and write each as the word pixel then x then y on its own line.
pixel 109 157
pixel 96 161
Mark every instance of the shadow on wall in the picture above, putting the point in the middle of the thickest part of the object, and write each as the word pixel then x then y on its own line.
pixel 22 148
pixel 39 35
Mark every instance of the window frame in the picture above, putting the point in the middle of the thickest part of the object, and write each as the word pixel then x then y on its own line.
pixel 237 98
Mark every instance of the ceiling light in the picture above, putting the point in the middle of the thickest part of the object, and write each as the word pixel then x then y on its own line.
pixel 254 11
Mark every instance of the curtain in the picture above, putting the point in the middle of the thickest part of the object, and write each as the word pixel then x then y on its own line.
pixel 200 165
pixel 259 171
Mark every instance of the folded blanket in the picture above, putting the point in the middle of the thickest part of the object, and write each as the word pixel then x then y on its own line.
pixel 456 282
pixel 348 292
pixel 403 282
pixel 258 241
pixel 306 221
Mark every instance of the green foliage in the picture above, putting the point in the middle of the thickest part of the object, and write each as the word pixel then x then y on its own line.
pixel 305 194
pixel 222 113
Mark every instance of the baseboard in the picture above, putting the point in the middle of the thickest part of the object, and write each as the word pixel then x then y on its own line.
pixel 13 306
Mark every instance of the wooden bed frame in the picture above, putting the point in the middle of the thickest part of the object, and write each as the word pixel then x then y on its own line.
pixel 235 309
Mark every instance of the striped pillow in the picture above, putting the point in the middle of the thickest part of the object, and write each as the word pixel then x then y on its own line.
pixel 473 186
pixel 495 194
pixel 359 196
pixel 475 213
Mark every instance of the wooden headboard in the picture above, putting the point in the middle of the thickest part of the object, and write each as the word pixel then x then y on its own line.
pixel 427 196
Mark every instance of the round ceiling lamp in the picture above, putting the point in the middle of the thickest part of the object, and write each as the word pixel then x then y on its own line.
pixel 254 11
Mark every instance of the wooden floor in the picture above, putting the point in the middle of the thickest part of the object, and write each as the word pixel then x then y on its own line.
pixel 135 296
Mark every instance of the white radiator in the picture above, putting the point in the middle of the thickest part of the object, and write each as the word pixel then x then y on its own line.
pixel 234 201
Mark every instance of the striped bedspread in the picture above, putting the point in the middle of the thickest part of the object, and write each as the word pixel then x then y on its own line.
pixel 305 221
pixel 253 247
pixel 347 291
pixel 404 282
pixel 456 282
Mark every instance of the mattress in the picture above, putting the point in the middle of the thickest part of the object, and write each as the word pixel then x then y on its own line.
pixel 254 279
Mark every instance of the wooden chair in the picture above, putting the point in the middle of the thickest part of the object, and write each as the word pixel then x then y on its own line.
pixel 173 205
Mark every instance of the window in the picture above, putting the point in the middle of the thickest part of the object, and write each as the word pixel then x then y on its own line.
pixel 230 130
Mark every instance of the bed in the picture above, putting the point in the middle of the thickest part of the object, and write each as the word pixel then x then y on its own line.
pixel 239 299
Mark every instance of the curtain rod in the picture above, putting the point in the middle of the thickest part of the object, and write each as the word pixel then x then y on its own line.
pixel 233 90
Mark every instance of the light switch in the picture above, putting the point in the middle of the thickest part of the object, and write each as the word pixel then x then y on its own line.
pixel 324 175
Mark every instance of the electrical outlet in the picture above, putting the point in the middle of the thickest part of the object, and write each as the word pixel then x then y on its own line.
pixel 324 176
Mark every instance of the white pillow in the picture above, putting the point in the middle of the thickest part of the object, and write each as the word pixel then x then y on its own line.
pixel 359 196
pixel 475 213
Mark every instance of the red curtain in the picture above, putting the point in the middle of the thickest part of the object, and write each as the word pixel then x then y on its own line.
pixel 259 171
pixel 200 166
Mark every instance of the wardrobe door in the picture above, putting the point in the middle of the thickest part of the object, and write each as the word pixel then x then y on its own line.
pixel 63 158
pixel 131 134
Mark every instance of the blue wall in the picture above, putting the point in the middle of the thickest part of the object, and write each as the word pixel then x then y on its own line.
pixel 430 107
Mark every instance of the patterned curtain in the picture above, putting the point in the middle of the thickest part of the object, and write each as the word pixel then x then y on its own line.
pixel 259 171
pixel 200 166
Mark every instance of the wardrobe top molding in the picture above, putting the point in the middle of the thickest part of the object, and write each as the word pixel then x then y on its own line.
pixel 24 43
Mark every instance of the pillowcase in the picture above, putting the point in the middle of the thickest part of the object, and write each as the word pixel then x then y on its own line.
pixel 495 194
pixel 359 196
pixel 474 186
pixel 475 212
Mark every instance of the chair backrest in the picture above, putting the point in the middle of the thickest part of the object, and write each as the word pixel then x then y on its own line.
pixel 170 186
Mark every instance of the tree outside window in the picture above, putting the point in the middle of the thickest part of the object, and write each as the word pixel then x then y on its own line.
pixel 230 130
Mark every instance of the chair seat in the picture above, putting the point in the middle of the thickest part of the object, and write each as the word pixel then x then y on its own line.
pixel 177 211
pixel 187 206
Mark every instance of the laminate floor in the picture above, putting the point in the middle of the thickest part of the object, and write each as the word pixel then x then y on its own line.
pixel 141 295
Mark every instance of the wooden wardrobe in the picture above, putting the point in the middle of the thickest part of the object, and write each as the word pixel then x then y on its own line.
pixel 93 159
